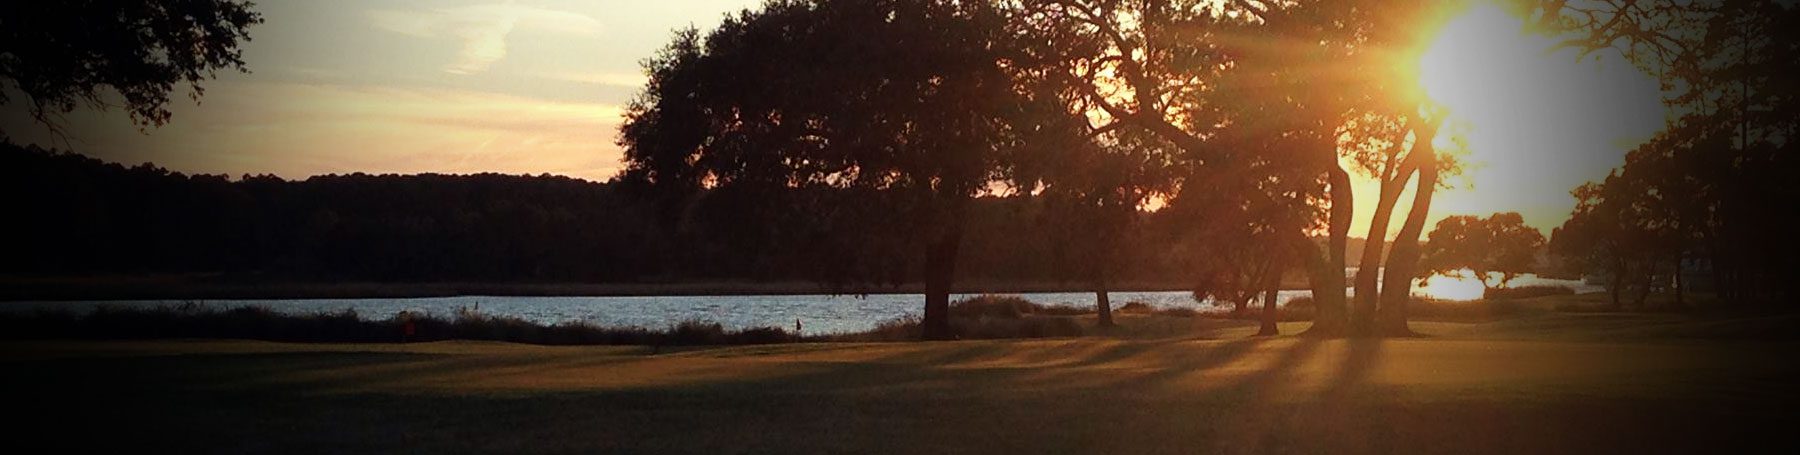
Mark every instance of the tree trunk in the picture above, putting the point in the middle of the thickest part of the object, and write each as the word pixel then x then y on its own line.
pixel 1368 269
pixel 1272 286
pixel 1343 213
pixel 1403 261
pixel 1714 252
pixel 1675 279
pixel 1329 316
pixel 1326 274
pixel 940 273
pixel 1105 255
pixel 1102 304
pixel 1618 284
pixel 1649 280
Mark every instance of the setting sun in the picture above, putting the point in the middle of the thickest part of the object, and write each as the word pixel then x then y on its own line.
pixel 1530 120
pixel 1472 67
pixel 900 226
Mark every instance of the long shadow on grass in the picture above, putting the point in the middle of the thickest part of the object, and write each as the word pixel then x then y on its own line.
pixel 1343 403
pixel 290 372
pixel 1359 361
pixel 910 400
pixel 1193 361
pixel 189 371
pixel 1123 350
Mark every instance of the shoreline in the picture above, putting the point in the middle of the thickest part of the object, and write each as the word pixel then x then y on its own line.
pixel 51 289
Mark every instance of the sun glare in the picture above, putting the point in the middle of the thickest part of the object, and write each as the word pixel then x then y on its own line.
pixel 1528 119
pixel 1473 66
pixel 1459 288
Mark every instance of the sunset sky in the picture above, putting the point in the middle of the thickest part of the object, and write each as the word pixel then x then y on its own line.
pixel 404 86
pixel 1537 120
pixel 538 86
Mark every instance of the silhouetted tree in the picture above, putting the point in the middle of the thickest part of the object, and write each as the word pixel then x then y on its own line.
pixel 907 97
pixel 1610 234
pixel 1237 255
pixel 1094 191
pixel 1500 244
pixel 1717 185
pixel 76 216
pixel 64 54
pixel 1637 227
pixel 1264 96
pixel 1156 67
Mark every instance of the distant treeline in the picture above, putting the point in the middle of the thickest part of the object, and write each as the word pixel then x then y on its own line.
pixel 78 216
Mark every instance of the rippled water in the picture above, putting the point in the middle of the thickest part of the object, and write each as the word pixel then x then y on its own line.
pixel 817 313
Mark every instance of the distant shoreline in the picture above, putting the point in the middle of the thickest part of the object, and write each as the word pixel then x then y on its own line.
pixel 187 288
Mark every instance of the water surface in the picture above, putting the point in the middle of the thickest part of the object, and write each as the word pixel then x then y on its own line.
pixel 817 313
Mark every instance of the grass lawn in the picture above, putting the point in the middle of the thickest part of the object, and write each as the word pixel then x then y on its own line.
pixel 1541 383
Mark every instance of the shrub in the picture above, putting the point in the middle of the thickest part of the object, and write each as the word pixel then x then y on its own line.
pixel 1525 292
pixel 992 306
pixel 1135 307
pixel 759 335
pixel 1301 302
pixel 694 331
pixel 1303 311
pixel 907 328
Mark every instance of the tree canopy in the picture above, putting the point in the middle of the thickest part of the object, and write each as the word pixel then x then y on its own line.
pixel 909 97
pixel 62 55
pixel 1265 101
pixel 1495 249
pixel 79 217
pixel 1714 192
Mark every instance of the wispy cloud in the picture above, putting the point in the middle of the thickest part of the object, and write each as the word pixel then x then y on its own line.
pixel 299 129
pixel 601 78
pixel 481 30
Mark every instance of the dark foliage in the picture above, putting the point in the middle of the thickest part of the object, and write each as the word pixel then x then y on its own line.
pixel 77 216
pixel 1009 307
pixel 1525 292
pixel 908 329
pixel 1713 196
pixel 67 54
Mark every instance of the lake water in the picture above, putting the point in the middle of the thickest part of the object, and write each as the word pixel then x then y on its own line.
pixel 818 313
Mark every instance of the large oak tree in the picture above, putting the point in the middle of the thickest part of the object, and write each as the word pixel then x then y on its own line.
pixel 1268 100
pixel 911 98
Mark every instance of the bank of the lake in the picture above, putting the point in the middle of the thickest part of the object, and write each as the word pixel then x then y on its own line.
pixel 207 287
pixel 817 313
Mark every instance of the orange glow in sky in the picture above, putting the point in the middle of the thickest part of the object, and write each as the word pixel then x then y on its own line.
pixel 538 86
pixel 407 86
pixel 1532 121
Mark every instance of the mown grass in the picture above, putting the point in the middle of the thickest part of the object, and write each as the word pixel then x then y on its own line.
pixel 1529 386
pixel 260 323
